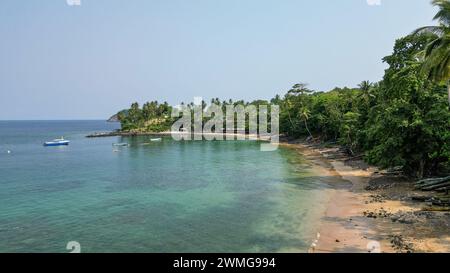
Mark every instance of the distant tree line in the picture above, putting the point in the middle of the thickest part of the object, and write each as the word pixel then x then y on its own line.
pixel 403 120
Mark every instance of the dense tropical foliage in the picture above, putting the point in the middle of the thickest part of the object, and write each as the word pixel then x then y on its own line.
pixel 403 120
pixel 436 55
pixel 152 117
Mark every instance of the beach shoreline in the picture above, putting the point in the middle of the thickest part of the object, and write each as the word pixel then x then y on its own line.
pixel 243 136
pixel 382 219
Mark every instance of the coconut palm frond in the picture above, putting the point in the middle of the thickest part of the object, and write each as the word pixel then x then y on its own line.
pixel 436 55
pixel 444 69
pixel 443 15
pixel 436 64
pixel 430 30
pixel 431 48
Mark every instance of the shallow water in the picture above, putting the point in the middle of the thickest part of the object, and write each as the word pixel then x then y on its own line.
pixel 168 196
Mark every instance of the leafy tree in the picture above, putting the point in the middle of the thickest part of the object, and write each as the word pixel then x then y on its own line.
pixel 436 54
pixel 407 126
pixel 349 130
pixel 304 115
pixel 403 120
pixel 366 95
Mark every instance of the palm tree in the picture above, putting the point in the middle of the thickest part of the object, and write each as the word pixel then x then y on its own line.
pixel 304 115
pixel 366 94
pixel 299 92
pixel 436 55
pixel 365 86
pixel 300 89
pixel 289 108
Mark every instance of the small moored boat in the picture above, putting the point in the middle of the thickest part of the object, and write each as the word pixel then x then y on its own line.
pixel 120 144
pixel 155 139
pixel 57 142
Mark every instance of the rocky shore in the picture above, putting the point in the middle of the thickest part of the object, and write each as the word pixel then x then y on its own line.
pixel 369 210
pixel 377 208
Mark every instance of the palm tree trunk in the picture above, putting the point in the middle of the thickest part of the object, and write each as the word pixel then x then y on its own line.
pixel 290 121
pixel 306 125
pixel 421 169
pixel 448 89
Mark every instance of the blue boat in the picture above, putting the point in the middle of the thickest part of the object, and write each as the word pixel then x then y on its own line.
pixel 57 142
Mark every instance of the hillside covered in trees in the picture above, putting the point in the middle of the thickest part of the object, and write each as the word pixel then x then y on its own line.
pixel 402 120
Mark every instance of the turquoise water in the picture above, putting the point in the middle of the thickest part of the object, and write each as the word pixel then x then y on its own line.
pixel 167 196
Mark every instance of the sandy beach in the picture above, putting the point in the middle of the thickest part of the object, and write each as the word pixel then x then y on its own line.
pixel 373 212
pixel 367 211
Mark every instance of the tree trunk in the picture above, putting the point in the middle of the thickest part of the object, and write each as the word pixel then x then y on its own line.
pixel 436 187
pixel 421 169
pixel 350 144
pixel 448 89
pixel 432 181
pixel 290 121
pixel 306 125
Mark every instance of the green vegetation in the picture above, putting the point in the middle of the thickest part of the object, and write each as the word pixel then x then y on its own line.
pixel 153 117
pixel 436 55
pixel 403 120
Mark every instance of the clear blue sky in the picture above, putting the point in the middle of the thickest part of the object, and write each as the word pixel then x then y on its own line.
pixel 86 62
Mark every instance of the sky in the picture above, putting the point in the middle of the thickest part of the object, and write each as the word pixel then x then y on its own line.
pixel 87 59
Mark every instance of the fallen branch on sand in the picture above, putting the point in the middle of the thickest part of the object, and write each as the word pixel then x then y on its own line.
pixel 436 186
pixel 433 183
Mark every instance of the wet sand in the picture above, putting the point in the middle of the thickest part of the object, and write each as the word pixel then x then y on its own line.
pixel 361 221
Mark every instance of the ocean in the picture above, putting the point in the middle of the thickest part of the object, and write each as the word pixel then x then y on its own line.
pixel 168 196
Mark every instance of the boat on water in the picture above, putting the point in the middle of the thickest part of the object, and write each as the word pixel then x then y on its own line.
pixel 120 144
pixel 156 139
pixel 57 142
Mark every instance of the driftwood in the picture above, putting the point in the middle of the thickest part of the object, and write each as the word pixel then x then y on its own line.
pixel 436 186
pixel 441 203
pixel 393 171
pixel 441 184
pixel 445 189
pixel 421 198
pixel 424 181
pixel 355 157
pixel 431 182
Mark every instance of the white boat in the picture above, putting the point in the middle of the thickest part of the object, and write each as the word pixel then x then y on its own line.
pixel 155 139
pixel 57 142
pixel 120 144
